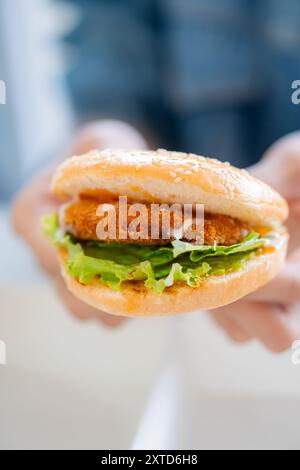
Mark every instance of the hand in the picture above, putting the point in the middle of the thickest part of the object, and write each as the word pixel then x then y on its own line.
pixel 35 199
pixel 272 314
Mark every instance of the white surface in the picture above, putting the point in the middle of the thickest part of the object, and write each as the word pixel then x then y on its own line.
pixel 69 384
pixel 159 426
pixel 237 397
pixel 78 385
pixel 236 422
pixel 216 364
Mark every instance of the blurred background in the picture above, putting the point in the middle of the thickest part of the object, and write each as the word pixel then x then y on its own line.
pixel 79 385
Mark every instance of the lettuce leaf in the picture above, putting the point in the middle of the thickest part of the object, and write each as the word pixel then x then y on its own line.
pixel 158 267
pixel 191 277
pixel 251 242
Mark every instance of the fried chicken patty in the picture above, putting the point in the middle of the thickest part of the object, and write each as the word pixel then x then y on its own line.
pixel 81 220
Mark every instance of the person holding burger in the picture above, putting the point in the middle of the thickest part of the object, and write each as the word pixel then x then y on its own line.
pixel 192 119
pixel 270 314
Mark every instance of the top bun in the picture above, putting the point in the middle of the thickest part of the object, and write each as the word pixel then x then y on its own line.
pixel 162 176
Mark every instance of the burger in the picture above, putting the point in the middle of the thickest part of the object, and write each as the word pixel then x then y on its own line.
pixel 118 254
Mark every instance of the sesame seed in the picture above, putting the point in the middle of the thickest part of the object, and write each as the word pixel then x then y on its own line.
pixel 173 174
pixel 177 180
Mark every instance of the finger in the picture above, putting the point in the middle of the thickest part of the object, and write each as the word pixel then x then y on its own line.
pixel 83 311
pixel 235 332
pixel 284 289
pixel 275 327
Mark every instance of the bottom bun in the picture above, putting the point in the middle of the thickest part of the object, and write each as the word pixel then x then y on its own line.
pixel 134 300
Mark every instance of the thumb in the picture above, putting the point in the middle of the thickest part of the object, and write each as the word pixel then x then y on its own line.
pixel 284 289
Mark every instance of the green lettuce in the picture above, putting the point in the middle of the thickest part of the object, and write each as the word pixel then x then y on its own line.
pixel 158 267
pixel 251 242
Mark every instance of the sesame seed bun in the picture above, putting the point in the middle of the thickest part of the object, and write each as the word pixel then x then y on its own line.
pixel 151 176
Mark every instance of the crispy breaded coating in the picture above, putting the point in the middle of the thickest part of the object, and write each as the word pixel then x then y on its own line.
pixel 81 219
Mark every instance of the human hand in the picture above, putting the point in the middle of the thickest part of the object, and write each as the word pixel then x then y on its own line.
pixel 35 200
pixel 272 314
